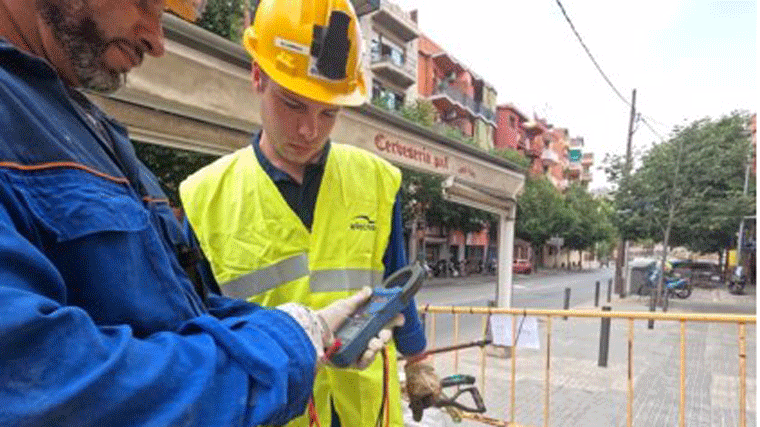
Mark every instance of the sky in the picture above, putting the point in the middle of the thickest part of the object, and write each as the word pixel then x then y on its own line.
pixel 687 59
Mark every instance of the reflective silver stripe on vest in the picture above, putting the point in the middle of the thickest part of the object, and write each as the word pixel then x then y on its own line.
pixel 267 278
pixel 344 280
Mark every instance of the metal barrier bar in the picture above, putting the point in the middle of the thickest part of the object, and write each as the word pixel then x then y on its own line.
pixel 638 315
pixel 682 403
pixel 483 357
pixel 432 330
pixel 740 320
pixel 629 406
pixel 548 366
pixel 742 374
pixel 514 369
pixel 456 342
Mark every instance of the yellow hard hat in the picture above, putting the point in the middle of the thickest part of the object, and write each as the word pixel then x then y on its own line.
pixel 310 47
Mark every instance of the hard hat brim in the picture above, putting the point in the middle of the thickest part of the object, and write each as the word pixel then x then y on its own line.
pixel 308 89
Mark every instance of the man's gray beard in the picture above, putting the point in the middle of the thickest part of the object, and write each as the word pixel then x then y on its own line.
pixel 82 41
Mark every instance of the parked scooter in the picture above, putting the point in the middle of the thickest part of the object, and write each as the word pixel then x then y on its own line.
pixel 444 267
pixel 678 286
pixel 737 281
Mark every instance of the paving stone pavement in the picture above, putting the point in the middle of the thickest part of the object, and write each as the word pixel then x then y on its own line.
pixel 582 394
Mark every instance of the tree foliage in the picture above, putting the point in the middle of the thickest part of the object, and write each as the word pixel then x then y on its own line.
pixel 590 220
pixel 541 213
pixel 421 197
pixel 224 18
pixel 706 194
pixel 171 166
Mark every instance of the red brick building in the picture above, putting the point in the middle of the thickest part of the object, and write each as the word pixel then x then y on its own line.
pixel 462 98
pixel 510 130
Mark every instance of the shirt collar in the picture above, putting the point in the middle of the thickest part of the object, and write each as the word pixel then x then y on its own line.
pixel 278 174
pixel 28 63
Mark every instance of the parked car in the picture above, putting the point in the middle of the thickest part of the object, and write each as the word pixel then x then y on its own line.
pixel 701 274
pixel 522 266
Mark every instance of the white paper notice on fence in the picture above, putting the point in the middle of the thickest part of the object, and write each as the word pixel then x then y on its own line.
pixel 527 331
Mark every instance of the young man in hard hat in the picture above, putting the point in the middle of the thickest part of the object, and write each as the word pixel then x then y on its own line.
pixel 295 217
pixel 99 323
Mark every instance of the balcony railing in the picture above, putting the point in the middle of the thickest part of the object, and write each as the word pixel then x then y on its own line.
pixel 587 158
pixel 396 68
pixel 456 95
pixel 486 113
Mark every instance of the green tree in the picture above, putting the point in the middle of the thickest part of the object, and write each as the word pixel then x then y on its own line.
pixel 590 220
pixel 689 189
pixel 224 18
pixel 171 166
pixel 541 214
pixel 421 195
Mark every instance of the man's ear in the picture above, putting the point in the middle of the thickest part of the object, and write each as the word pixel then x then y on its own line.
pixel 257 78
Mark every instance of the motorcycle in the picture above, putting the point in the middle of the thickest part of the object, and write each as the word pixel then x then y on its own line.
pixel 444 267
pixel 673 285
pixel 737 281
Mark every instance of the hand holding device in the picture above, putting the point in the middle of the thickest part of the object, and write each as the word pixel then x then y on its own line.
pixel 368 328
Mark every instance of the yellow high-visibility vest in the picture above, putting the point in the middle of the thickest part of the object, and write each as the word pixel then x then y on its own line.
pixel 260 250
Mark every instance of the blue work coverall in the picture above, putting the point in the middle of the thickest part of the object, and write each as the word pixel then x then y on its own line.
pixel 99 323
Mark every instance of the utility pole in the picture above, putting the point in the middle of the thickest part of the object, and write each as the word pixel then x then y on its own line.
pixel 740 237
pixel 620 261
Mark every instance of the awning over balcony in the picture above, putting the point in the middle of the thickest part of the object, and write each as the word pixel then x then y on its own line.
pixel 447 63
pixel 393 20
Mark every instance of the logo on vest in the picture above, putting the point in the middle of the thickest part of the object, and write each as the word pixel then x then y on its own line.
pixel 362 223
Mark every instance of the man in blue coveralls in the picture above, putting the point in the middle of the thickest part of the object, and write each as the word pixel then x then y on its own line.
pixel 99 321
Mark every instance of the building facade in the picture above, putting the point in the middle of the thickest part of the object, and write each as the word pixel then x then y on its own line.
pixel 510 128
pixel 390 54
pixel 463 100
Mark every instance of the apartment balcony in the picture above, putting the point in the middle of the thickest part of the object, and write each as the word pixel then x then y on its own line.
pixel 394 69
pixel 549 157
pixel 395 20
pixel 363 7
pixel 486 113
pixel 587 159
pixel 447 63
pixel 522 143
pixel 573 171
pixel 576 143
pixel 535 148
pixel 446 97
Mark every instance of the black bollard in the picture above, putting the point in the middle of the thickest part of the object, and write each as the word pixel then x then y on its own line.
pixel 567 301
pixel 652 293
pixel 596 294
pixel 604 339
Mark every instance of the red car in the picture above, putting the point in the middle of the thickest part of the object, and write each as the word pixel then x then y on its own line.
pixel 522 266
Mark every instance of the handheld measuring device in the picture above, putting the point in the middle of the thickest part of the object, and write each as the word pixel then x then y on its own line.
pixel 384 304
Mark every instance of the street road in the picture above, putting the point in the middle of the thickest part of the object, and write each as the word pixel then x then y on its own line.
pixel 540 290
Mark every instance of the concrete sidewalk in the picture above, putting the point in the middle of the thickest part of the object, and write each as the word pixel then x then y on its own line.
pixel 585 395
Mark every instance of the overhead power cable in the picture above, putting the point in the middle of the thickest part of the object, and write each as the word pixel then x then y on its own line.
pixel 588 52
pixel 606 79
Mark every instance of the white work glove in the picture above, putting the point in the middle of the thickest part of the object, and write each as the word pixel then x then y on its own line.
pixel 321 325
pixel 336 313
